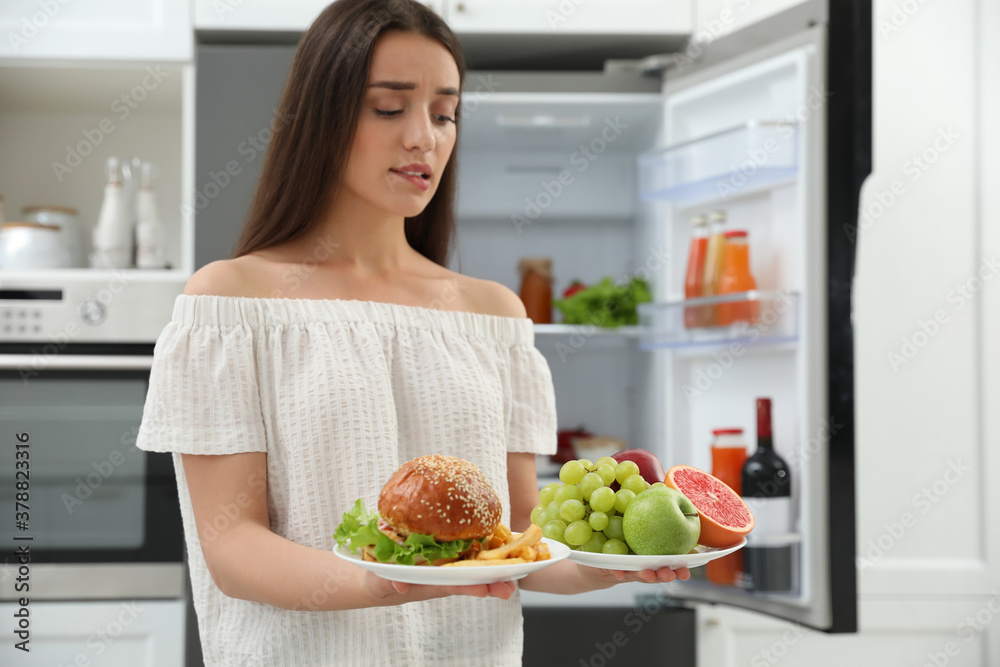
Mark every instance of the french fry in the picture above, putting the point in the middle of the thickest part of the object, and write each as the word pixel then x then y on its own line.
pixel 501 531
pixel 469 563
pixel 495 542
pixel 508 539
pixel 531 536
pixel 529 554
pixel 544 553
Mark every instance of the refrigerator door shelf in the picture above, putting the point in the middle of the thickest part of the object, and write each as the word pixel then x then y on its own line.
pixel 750 158
pixel 663 323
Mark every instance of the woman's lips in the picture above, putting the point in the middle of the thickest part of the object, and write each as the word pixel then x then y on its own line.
pixel 422 183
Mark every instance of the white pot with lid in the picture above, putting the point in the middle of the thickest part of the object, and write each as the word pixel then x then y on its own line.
pixel 66 219
pixel 32 245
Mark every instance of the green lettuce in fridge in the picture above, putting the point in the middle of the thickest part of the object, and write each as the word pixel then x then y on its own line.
pixel 605 304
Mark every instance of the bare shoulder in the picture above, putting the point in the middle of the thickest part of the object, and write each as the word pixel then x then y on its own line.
pixel 225 277
pixel 493 298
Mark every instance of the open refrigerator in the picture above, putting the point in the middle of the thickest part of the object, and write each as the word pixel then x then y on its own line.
pixel 602 173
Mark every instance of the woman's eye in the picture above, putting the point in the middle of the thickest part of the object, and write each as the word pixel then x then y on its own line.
pixel 388 114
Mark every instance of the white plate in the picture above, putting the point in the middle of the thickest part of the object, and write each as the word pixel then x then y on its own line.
pixel 455 576
pixel 635 563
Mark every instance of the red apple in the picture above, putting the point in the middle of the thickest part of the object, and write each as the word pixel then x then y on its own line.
pixel 649 465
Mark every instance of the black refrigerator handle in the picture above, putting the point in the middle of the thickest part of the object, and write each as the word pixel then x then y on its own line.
pixel 849 162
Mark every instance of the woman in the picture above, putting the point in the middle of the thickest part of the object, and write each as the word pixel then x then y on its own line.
pixel 296 376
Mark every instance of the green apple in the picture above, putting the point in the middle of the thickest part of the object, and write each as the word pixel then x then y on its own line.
pixel 661 521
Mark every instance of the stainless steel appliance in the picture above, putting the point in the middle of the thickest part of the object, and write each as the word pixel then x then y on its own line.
pixel 101 517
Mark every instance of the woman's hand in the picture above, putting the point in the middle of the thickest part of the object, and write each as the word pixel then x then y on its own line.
pixel 388 592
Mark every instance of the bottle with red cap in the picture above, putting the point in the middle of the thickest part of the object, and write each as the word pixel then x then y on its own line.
pixel 735 276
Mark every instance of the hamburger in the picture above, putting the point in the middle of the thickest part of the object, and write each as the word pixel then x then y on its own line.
pixel 432 510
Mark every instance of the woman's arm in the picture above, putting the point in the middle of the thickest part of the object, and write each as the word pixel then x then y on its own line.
pixel 565 577
pixel 249 561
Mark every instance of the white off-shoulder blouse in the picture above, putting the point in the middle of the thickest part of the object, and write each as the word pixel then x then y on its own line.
pixel 339 393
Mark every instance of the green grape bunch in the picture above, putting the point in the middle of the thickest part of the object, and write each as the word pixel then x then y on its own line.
pixel 582 511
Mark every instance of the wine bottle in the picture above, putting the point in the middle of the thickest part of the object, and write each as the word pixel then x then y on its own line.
pixel 765 474
pixel 767 488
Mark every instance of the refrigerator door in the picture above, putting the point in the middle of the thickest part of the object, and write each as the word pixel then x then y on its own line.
pixel 772 137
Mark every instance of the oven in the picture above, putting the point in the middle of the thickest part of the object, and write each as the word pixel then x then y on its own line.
pixel 99 516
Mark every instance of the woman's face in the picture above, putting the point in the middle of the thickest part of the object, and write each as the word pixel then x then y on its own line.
pixel 407 123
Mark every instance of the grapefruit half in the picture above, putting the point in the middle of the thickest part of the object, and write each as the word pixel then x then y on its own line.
pixel 725 518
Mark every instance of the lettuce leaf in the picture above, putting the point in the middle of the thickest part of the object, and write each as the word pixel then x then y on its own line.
pixel 359 528
pixel 605 304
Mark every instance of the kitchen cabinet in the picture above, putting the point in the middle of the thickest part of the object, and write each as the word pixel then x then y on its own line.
pixel 607 17
pixel 121 633
pixel 927 362
pixel 138 30
pixel 265 15
pixel 60 122
pixel 715 18
pixel 960 632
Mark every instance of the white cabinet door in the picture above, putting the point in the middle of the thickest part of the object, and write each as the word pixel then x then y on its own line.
pixel 958 632
pixel 715 18
pixel 125 633
pixel 927 364
pixel 157 30
pixel 268 15
pixel 608 17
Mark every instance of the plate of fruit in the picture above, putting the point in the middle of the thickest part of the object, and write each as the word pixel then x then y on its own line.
pixel 623 512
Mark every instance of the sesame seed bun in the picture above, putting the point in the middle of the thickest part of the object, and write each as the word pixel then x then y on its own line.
pixel 442 496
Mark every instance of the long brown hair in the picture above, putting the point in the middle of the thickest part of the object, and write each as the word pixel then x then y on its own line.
pixel 317 118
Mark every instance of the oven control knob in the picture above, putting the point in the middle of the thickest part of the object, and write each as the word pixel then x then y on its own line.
pixel 93 312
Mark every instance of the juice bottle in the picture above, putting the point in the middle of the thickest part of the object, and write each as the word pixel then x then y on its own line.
pixel 736 277
pixel 729 452
pixel 536 288
pixel 713 261
pixel 694 280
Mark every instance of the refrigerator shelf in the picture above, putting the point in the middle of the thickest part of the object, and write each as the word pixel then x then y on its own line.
pixel 738 161
pixel 792 596
pixel 586 330
pixel 663 323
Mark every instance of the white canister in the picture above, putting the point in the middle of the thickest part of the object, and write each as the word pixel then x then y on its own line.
pixel 112 237
pixel 149 237
pixel 32 245
pixel 66 219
